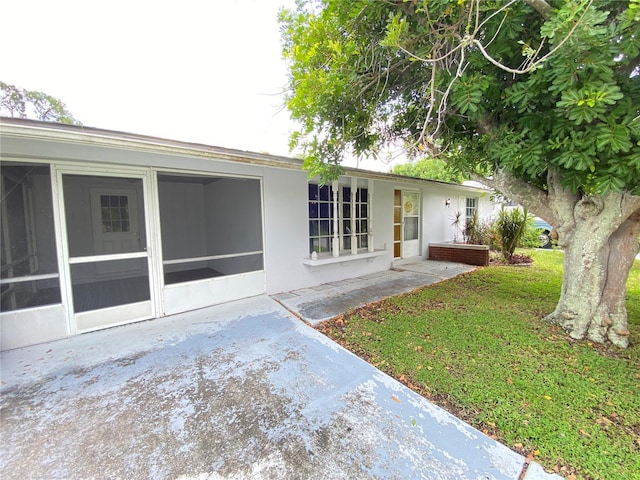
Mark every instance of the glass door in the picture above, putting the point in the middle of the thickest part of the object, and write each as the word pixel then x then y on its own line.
pixel 410 224
pixel 108 259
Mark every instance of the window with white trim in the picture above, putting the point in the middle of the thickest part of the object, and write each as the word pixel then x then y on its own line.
pixel 470 209
pixel 358 221
pixel 320 218
pixel 351 228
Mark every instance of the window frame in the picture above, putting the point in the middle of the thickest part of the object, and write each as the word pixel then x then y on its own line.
pixel 320 212
pixel 351 209
pixel 470 210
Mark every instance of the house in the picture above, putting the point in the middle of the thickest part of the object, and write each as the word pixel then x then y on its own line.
pixel 103 228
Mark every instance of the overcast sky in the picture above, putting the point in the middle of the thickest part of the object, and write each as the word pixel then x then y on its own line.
pixel 206 71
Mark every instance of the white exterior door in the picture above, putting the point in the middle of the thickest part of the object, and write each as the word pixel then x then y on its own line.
pixel 406 224
pixel 109 265
pixel 410 224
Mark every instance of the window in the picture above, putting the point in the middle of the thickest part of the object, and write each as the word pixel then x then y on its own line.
pixel 471 209
pixel 358 221
pixel 352 206
pixel 114 213
pixel 320 218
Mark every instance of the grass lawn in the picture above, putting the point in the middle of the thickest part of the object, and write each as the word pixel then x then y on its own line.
pixel 477 345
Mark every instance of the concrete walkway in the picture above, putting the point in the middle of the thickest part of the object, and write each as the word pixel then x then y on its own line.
pixel 317 304
pixel 238 391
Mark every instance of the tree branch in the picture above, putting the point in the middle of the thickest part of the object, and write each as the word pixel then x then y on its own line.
pixel 541 6
pixel 530 196
pixel 534 64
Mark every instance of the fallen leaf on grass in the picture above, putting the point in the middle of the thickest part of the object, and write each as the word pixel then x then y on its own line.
pixel 603 421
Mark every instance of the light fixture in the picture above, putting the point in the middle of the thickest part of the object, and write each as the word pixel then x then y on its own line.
pixel 447 202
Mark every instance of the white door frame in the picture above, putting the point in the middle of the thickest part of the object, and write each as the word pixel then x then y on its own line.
pixel 411 248
pixel 119 314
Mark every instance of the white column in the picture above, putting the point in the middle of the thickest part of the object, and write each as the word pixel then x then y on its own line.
pixel 335 247
pixel 370 215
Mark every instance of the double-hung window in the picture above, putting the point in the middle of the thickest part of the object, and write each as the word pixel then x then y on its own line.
pixel 355 218
pixel 339 217
pixel 320 218
pixel 470 209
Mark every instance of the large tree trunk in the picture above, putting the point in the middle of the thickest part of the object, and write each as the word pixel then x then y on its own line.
pixel 585 241
pixel 599 236
pixel 599 252
pixel 611 316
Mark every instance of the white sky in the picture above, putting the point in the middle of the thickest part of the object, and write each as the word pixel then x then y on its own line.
pixel 207 71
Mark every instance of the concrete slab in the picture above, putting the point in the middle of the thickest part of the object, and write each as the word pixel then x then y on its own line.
pixel 324 302
pixel 242 390
pixel 441 269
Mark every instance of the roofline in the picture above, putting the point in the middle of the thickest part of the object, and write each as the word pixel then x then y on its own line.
pixel 80 134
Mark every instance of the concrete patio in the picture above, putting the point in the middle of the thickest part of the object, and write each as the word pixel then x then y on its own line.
pixel 235 391
pixel 320 303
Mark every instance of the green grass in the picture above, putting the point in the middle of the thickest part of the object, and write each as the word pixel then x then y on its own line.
pixel 478 346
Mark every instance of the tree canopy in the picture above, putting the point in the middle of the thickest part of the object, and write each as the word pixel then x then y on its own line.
pixel 430 169
pixel 21 103
pixel 539 99
pixel 520 85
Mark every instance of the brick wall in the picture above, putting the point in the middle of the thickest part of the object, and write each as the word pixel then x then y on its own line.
pixel 469 254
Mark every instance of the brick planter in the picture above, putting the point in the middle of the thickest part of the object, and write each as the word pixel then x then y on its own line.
pixel 460 252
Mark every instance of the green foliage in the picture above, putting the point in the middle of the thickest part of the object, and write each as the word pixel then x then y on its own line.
pixel 531 236
pixel 477 346
pixel 430 169
pixel 18 102
pixel 511 225
pixel 364 74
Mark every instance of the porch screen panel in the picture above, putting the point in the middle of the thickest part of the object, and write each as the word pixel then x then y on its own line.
pixel 125 281
pixel 211 226
pixel 104 215
pixel 29 268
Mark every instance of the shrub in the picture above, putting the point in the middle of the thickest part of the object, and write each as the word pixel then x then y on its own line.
pixel 484 234
pixel 520 259
pixel 511 225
